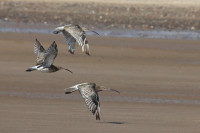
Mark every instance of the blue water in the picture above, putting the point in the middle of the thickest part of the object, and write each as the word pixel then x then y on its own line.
pixel 186 35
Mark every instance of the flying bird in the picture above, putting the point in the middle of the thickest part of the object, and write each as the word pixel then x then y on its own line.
pixel 45 58
pixel 89 92
pixel 73 34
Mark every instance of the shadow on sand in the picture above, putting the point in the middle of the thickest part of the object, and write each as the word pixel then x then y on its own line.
pixel 114 122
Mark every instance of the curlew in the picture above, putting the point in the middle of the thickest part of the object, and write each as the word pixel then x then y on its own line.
pixel 89 92
pixel 45 58
pixel 73 34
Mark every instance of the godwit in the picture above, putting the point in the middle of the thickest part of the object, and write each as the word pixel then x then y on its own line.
pixel 89 91
pixel 45 58
pixel 74 33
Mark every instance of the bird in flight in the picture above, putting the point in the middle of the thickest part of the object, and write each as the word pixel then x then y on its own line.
pixel 45 58
pixel 73 34
pixel 89 92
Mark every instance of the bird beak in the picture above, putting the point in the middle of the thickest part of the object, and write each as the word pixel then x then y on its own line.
pixel 67 70
pixel 95 32
pixel 109 89
pixel 114 90
pixel 85 29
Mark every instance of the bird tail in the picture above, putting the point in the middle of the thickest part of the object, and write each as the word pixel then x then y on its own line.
pixel 71 51
pixel 58 29
pixel 98 113
pixel 30 69
pixel 69 90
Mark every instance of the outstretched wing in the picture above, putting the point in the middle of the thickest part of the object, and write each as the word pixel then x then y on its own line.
pixel 92 103
pixel 91 98
pixel 79 35
pixel 39 51
pixel 50 55
pixel 70 41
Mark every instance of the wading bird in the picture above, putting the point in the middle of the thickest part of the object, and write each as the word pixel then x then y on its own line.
pixel 45 58
pixel 89 91
pixel 73 34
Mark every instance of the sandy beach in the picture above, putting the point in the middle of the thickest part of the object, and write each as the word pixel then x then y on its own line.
pixel 158 78
pixel 158 81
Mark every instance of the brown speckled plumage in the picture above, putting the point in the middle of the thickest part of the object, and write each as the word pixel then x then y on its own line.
pixel 89 92
pixel 73 34
pixel 45 58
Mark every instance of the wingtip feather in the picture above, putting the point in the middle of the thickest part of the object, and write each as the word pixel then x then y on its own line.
pixel 98 113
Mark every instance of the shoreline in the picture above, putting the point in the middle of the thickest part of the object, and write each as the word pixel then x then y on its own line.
pixel 154 34
pixel 134 16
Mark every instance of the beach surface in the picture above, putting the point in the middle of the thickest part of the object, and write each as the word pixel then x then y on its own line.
pixel 105 14
pixel 158 79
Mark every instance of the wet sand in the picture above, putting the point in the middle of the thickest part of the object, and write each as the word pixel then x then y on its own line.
pixel 158 79
pixel 105 14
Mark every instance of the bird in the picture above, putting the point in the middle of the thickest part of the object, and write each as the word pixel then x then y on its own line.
pixel 89 92
pixel 74 33
pixel 45 58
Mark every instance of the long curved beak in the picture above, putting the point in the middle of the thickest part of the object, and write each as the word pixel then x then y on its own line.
pixel 95 32
pixel 85 29
pixel 67 70
pixel 114 90
pixel 109 89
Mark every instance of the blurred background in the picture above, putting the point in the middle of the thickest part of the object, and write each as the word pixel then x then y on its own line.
pixel 131 18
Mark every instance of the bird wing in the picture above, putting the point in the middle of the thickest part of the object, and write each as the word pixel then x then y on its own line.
pixel 50 55
pixel 92 103
pixel 70 41
pixel 79 35
pixel 91 96
pixel 39 51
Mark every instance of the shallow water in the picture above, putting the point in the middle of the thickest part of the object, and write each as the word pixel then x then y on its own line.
pixel 47 29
